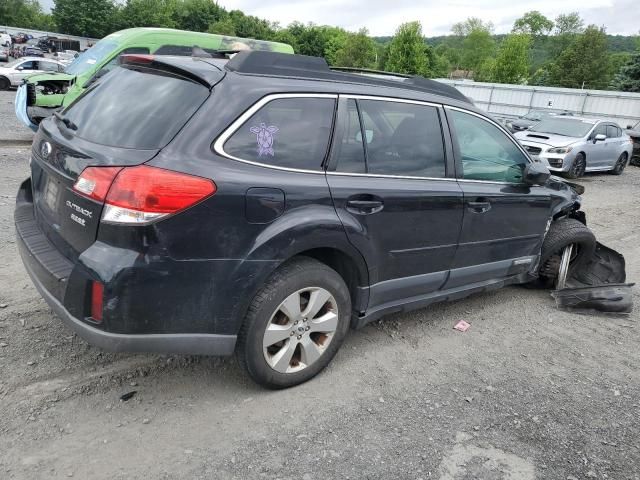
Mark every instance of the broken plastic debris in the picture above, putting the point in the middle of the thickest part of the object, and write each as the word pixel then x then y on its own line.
pixel 462 326
pixel 128 395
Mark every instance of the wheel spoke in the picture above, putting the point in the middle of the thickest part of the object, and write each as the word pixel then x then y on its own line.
pixel 282 359
pixel 309 351
pixel 317 300
pixel 325 324
pixel 291 306
pixel 275 333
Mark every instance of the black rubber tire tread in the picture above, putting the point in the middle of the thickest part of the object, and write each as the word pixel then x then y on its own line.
pixel 564 232
pixel 5 84
pixel 616 170
pixel 571 173
pixel 296 274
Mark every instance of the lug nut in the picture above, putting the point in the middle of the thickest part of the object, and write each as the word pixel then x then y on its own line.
pixel 308 328
pixel 299 337
pixel 292 334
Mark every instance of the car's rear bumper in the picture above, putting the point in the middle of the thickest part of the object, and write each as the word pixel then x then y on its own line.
pixel 178 343
pixel 53 276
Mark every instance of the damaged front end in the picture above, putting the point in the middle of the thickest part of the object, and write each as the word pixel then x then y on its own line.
pixel 40 96
pixel 598 285
pixel 586 274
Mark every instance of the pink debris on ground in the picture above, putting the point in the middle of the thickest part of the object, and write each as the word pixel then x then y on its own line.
pixel 462 326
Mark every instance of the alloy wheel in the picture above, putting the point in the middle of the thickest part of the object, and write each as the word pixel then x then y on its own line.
pixel 300 330
pixel 579 166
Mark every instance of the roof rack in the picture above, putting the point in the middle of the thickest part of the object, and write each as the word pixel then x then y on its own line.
pixel 257 62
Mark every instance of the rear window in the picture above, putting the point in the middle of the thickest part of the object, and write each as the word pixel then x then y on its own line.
pixel 286 132
pixel 136 108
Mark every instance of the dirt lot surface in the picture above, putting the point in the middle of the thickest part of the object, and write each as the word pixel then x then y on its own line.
pixel 527 392
pixel 11 130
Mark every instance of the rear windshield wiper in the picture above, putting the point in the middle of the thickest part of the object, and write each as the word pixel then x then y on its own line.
pixel 68 123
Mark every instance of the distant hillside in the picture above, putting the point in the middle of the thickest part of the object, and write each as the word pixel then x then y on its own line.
pixel 617 43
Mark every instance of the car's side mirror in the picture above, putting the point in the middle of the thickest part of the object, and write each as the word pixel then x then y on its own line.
pixel 20 68
pixel 601 137
pixel 536 174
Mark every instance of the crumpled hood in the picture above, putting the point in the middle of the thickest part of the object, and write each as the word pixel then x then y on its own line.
pixel 40 77
pixel 546 138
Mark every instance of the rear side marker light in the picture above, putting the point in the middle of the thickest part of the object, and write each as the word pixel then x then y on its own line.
pixel 143 194
pixel 97 295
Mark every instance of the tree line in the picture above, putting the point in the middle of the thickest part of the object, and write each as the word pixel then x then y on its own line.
pixel 561 52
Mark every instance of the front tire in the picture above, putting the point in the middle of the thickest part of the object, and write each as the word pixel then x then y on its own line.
pixel 578 167
pixel 295 325
pixel 561 234
pixel 620 165
pixel 4 83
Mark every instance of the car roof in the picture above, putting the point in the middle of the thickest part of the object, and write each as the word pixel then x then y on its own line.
pixel 302 67
pixel 39 59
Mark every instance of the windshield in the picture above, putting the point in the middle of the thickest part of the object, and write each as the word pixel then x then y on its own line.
pixel 563 126
pixel 533 115
pixel 95 55
pixel 13 64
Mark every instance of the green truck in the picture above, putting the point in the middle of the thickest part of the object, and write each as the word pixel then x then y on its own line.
pixel 43 94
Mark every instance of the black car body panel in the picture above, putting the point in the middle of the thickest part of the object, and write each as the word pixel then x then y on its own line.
pixel 191 276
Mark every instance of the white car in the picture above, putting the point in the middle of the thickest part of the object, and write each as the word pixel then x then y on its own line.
pixel 66 57
pixel 12 74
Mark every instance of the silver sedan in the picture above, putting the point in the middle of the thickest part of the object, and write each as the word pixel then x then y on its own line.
pixel 573 146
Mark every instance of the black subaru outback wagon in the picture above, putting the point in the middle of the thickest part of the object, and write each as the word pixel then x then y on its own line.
pixel 265 205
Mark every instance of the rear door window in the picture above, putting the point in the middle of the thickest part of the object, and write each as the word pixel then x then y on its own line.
pixel 286 132
pixel 402 139
pixel 48 66
pixel 136 107
pixel 350 147
pixel 613 131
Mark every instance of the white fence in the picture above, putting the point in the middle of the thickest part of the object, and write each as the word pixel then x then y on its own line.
pixel 509 101
pixel 84 41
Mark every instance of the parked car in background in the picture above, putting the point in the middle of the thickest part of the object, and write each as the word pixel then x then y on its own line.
pixel 66 57
pixel 49 93
pixel 573 146
pixel 267 204
pixel 531 118
pixel 32 52
pixel 12 74
pixel 5 40
pixel 5 52
pixel 634 132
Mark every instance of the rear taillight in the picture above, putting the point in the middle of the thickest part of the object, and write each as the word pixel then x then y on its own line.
pixel 97 295
pixel 140 195
pixel 94 182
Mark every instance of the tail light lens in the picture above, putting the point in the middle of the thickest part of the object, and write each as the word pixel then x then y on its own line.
pixel 142 194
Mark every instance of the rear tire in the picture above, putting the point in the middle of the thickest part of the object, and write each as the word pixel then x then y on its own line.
pixel 578 167
pixel 4 83
pixel 561 234
pixel 280 348
pixel 620 165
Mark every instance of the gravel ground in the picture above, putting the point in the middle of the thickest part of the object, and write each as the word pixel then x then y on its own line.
pixel 527 392
pixel 11 130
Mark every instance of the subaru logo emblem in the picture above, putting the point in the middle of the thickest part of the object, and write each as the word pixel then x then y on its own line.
pixel 45 150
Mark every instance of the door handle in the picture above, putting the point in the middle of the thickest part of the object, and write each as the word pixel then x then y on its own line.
pixel 365 206
pixel 479 207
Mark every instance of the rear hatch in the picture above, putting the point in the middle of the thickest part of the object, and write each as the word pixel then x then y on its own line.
pixel 123 121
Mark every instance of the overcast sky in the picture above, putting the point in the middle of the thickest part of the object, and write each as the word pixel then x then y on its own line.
pixel 382 17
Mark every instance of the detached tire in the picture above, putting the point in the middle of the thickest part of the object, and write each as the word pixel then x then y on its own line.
pixel 295 325
pixel 561 234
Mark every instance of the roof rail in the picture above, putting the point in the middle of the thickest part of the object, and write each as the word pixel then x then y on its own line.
pixel 257 62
